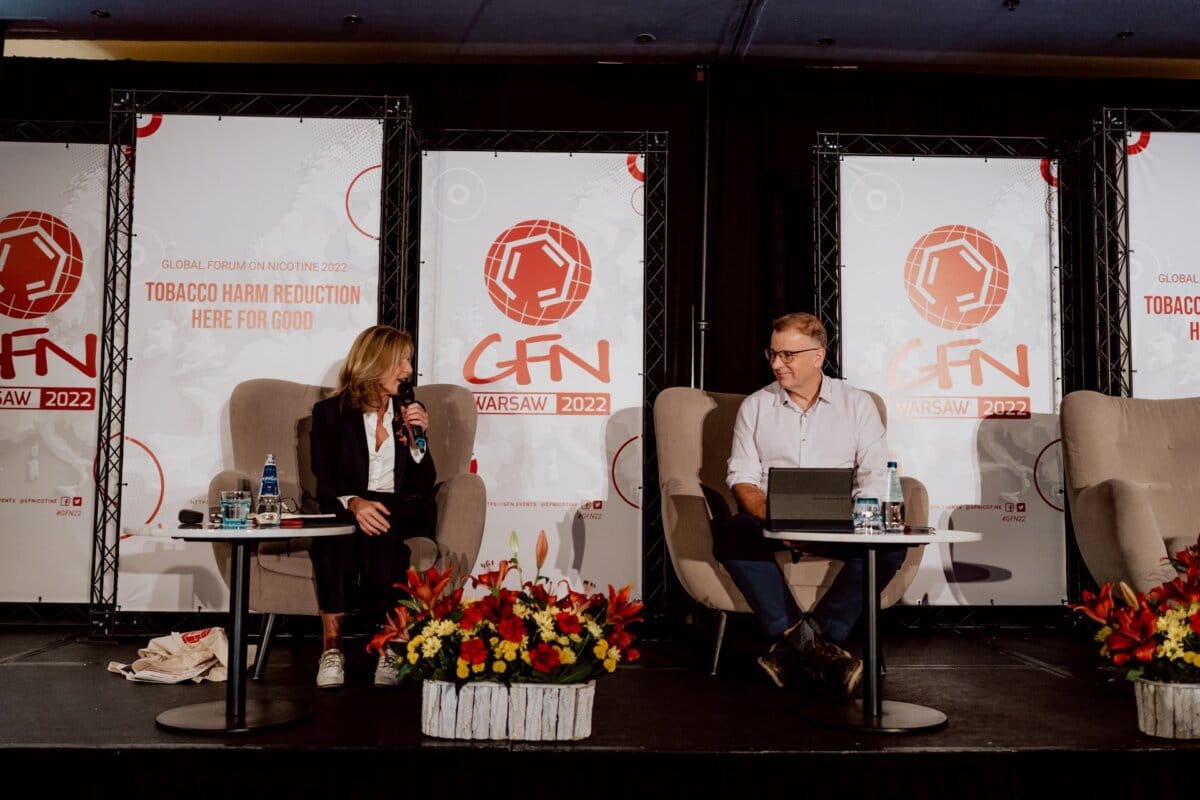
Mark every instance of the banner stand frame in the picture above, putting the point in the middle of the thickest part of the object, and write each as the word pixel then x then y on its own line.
pixel 828 152
pixel 652 145
pixel 105 617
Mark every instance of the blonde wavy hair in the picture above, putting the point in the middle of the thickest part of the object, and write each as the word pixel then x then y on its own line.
pixel 375 351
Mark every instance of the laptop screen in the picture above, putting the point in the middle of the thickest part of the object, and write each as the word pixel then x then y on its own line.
pixel 810 499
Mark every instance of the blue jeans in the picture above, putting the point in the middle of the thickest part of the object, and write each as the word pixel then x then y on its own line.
pixel 749 557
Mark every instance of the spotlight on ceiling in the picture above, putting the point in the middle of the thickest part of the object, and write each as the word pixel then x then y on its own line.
pixel 1124 34
pixel 645 38
pixel 826 41
pixel 1011 5
pixel 352 19
pixel 100 13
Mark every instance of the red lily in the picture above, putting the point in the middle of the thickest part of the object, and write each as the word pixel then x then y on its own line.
pixel 395 629
pixel 1097 607
pixel 1188 561
pixel 620 610
pixel 492 580
pixel 426 588
pixel 1133 635
pixel 1184 592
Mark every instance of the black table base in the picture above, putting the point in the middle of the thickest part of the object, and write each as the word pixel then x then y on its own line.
pixel 214 717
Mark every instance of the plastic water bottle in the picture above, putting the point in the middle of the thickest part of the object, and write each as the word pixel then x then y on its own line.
pixel 268 495
pixel 893 501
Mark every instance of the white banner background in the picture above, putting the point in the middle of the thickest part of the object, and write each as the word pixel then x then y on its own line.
pixel 576 475
pixel 46 481
pixel 225 205
pixel 1000 476
pixel 1164 278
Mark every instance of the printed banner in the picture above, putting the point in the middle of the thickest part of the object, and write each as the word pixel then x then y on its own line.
pixel 532 297
pixel 257 256
pixel 1164 279
pixel 950 312
pixel 52 199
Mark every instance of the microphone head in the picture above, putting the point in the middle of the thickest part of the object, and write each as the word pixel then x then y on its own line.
pixel 406 395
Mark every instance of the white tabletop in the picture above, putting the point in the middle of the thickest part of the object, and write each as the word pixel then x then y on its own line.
pixel 215 533
pixel 925 536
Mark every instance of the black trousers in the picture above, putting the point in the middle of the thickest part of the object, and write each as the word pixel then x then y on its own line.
pixel 360 572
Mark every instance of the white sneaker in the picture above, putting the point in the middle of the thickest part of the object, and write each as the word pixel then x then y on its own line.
pixel 331 672
pixel 385 672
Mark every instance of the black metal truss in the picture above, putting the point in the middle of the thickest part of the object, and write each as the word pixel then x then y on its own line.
pixel 827 238
pixel 652 145
pixel 395 245
pixel 105 617
pixel 67 132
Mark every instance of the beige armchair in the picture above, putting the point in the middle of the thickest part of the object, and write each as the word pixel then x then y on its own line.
pixel 274 416
pixel 694 431
pixel 1133 477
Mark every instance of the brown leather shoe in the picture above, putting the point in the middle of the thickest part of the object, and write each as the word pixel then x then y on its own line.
pixel 773 666
pixel 837 667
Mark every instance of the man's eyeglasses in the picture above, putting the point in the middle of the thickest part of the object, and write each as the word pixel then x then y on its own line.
pixel 786 356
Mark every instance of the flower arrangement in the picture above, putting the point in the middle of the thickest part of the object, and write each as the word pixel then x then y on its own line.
pixel 536 633
pixel 1155 635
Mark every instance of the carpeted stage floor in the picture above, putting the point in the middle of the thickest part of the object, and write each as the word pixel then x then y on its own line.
pixel 1029 716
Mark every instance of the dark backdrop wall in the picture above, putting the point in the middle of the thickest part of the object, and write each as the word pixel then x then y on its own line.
pixel 752 250
pixel 762 122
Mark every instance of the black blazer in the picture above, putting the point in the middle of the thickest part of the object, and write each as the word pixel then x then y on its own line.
pixel 340 458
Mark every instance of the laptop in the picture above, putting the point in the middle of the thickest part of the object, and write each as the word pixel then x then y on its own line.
pixel 810 499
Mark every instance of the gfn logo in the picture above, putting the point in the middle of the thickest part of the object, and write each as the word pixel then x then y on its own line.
pixel 40 264
pixel 956 277
pixel 537 272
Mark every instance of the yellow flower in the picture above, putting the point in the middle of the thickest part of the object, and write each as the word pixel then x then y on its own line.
pixel 601 649
pixel 1104 633
pixel 610 664
pixel 477 668
pixel 1192 658
pixel 430 647
pixel 415 642
pixel 499 667
pixel 566 655
pixel 443 627
pixel 521 610
pixel 462 671
pixel 594 629
pixel 504 649
pixel 414 657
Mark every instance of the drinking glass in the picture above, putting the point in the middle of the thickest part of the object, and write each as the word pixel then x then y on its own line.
pixel 867 516
pixel 235 508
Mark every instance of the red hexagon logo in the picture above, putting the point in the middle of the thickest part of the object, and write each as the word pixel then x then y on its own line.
pixel 40 264
pixel 956 277
pixel 537 272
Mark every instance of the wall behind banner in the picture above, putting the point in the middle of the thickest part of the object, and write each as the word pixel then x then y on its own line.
pixel 950 312
pixel 1164 275
pixel 257 257
pixel 531 296
pixel 51 277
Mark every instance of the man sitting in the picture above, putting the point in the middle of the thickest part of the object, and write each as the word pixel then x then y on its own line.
pixel 803 419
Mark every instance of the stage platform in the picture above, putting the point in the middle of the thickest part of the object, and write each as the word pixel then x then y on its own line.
pixel 1029 716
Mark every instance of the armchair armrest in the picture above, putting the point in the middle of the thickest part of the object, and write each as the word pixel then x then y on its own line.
pixel 1119 535
pixel 462 509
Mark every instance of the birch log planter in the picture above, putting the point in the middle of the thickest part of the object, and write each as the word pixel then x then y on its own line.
pixel 522 711
pixel 1169 710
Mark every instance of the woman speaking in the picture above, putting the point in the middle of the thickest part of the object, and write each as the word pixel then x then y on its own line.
pixel 369 463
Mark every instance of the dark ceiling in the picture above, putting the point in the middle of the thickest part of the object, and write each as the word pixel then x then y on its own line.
pixel 1064 36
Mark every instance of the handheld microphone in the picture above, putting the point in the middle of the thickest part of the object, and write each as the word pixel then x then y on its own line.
pixel 406 398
